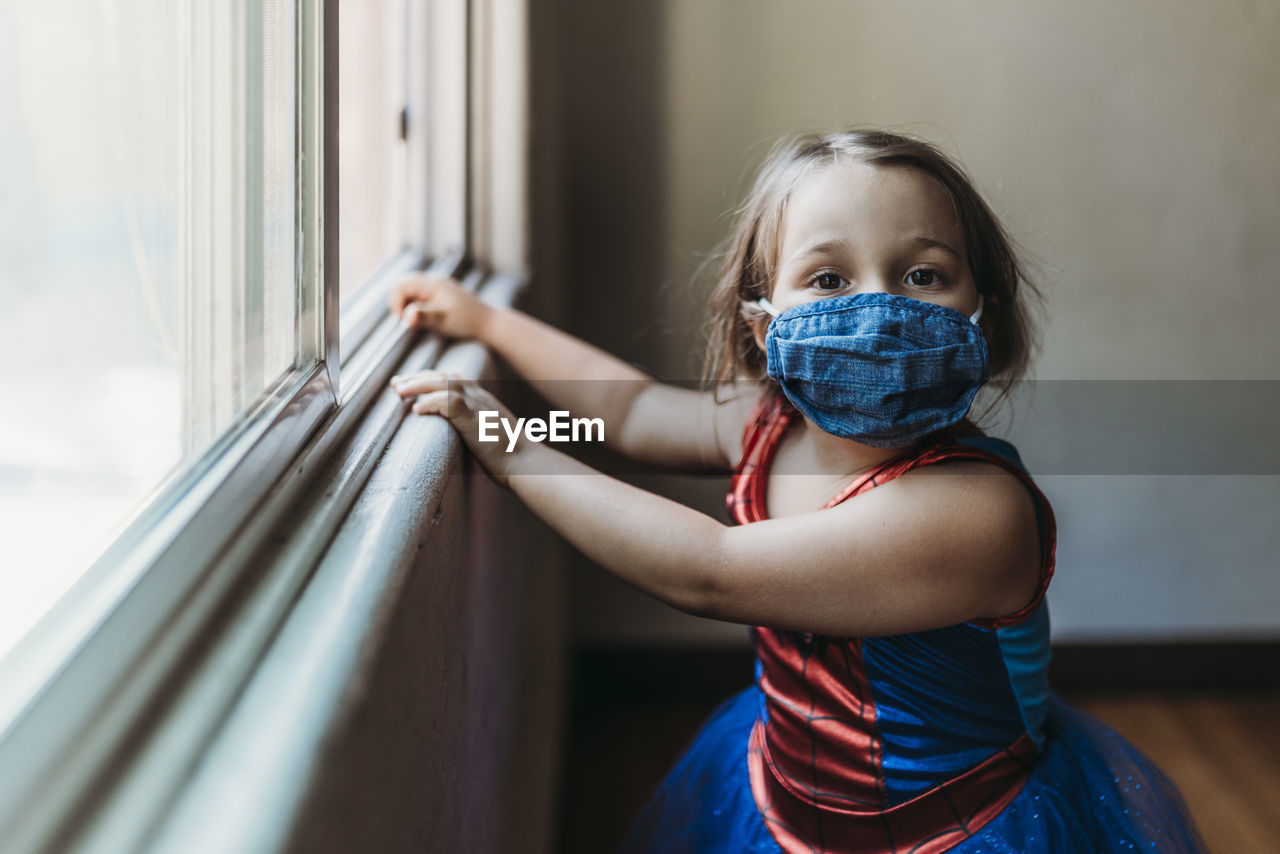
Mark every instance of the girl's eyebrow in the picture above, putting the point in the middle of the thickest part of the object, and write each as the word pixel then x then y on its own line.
pixel 922 241
pixel 836 245
pixel 824 247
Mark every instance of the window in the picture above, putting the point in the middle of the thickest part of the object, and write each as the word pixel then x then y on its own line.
pixel 192 326
pixel 381 184
pixel 374 127
pixel 148 263
pixel 170 337
pixel 403 149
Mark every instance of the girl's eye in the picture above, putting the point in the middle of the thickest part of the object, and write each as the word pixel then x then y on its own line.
pixel 924 278
pixel 827 281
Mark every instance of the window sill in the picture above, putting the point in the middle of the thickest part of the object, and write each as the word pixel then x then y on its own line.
pixel 256 775
pixel 259 663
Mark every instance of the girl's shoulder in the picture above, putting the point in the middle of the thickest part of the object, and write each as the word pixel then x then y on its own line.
pixel 1016 491
pixel 744 416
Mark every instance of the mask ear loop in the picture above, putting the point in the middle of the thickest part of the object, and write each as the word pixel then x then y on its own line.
pixel 977 315
pixel 773 312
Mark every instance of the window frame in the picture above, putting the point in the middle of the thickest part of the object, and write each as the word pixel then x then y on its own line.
pixel 88 671
pixel 110 701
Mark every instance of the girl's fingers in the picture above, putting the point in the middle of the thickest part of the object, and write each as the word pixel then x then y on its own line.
pixel 451 405
pixel 461 414
pixel 409 290
pixel 425 382
pixel 402 296
pixel 438 393
pixel 420 315
pixel 444 402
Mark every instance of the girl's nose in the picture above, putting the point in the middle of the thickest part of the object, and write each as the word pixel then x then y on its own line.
pixel 874 285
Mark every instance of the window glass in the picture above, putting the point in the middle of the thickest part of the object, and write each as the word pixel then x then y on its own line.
pixel 373 149
pixel 147 260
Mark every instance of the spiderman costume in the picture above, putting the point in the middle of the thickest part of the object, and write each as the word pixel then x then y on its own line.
pixel 942 740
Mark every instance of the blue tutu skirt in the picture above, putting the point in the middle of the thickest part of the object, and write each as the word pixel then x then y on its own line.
pixel 1090 790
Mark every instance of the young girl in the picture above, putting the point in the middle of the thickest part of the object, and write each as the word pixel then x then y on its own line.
pixel 891 559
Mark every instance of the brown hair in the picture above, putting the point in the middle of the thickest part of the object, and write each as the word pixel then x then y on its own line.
pixel 749 257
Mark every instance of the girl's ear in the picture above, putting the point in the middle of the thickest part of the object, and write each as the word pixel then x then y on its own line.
pixel 757 320
pixel 758 331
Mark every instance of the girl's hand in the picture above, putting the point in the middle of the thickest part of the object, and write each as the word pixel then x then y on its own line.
pixel 461 401
pixel 438 303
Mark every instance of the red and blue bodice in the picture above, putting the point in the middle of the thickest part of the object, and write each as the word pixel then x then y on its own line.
pixel 901 743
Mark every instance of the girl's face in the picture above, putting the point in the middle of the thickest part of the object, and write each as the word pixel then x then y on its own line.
pixel 852 228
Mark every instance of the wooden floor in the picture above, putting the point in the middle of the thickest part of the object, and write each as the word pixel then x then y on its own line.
pixel 1222 750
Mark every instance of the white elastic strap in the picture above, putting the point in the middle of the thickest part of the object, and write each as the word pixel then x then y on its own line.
pixel 977 315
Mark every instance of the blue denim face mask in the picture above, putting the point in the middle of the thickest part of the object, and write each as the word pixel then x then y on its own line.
pixel 881 369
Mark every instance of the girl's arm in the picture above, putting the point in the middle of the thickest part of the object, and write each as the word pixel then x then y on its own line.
pixel 646 420
pixel 938 546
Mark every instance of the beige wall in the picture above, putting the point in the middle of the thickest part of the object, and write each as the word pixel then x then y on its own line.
pixel 1130 146
pixel 1131 150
